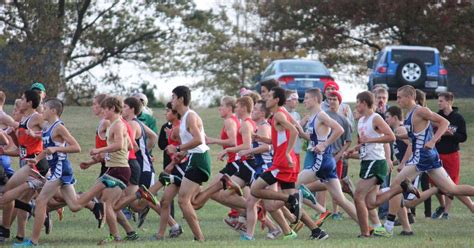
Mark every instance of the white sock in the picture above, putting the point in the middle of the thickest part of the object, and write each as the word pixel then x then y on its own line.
pixel 389 225
pixel 376 225
pixel 384 189
pixel 175 226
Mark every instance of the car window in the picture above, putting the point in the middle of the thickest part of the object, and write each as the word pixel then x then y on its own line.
pixel 380 58
pixel 426 57
pixel 302 67
pixel 269 71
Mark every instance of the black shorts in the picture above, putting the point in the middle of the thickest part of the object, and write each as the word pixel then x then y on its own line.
pixel 230 168
pixel 246 171
pixel 3 176
pixel 103 169
pixel 134 171
pixel 147 178
pixel 179 171
pixel 120 173
pixel 42 165
pixel 270 179
pixel 196 175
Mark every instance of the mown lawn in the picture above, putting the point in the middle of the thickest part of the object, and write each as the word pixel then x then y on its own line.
pixel 80 229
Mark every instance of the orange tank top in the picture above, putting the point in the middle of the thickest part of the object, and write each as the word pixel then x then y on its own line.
pixel 28 146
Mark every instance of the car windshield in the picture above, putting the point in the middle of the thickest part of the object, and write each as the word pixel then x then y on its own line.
pixel 303 67
pixel 426 57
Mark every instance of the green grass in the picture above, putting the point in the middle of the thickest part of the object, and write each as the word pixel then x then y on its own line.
pixel 79 229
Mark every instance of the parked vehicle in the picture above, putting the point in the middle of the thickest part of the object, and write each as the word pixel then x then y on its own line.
pixel 418 66
pixel 296 74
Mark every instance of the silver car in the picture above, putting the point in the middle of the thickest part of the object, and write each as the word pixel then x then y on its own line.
pixel 296 74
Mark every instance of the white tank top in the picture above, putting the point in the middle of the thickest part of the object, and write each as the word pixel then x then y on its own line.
pixel 186 136
pixel 370 151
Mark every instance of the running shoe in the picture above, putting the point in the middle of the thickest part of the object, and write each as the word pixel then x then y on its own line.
pixel 438 213
pixel 164 178
pixel 295 205
pixel 145 194
pixel 109 240
pixel 307 194
pixel 318 234
pixel 290 236
pixel 405 233
pixel 142 216
pixel 112 182
pixel 229 184
pixel 323 217
pixel 382 232
pixel 337 216
pixel 174 233
pixel 445 216
pixel 409 188
pixel 132 236
pixel 99 213
pixel 347 186
pixel 245 237
pixel 4 234
pixel 274 234
pixel 26 243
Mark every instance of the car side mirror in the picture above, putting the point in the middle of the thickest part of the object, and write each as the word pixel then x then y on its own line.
pixel 370 64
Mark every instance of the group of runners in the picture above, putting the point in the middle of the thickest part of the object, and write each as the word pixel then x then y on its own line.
pixel 261 139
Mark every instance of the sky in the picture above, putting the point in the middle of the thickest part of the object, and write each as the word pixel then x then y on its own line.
pixel 132 73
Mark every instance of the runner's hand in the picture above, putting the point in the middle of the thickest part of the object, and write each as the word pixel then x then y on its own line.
pixel 171 149
pixel 221 155
pixel 291 163
pixel 84 165
pixel 430 144
pixel 400 167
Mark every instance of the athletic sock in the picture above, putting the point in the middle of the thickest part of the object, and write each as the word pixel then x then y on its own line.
pixel 23 206
pixel 175 226
pixel 384 189
pixel 390 222
pixel 376 225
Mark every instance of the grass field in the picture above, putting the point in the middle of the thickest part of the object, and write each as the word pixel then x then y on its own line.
pixel 79 229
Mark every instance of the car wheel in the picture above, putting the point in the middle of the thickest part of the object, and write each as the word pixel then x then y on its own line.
pixel 411 72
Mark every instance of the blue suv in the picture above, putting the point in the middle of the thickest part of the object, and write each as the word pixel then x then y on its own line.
pixel 296 74
pixel 418 66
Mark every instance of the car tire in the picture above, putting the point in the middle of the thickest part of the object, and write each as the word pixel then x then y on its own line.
pixel 411 72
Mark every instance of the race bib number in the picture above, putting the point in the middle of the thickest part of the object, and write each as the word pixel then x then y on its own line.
pixel 22 151
pixel 363 151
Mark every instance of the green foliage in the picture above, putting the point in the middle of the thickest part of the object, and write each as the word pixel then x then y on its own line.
pixel 59 42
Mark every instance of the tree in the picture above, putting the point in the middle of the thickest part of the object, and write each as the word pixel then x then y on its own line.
pixel 59 42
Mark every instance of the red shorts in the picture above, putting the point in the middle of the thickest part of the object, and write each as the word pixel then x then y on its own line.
pixel 285 175
pixel 451 163
pixel 339 168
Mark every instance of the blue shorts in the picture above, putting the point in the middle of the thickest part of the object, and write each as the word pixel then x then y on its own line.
pixel 6 163
pixel 62 170
pixel 308 160
pixel 425 159
pixel 324 166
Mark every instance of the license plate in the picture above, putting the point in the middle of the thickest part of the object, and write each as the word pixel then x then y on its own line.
pixel 308 84
pixel 431 84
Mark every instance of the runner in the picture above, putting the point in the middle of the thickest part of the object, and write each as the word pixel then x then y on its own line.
pixel 57 143
pixel 373 133
pixel 193 142
pixel 283 169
